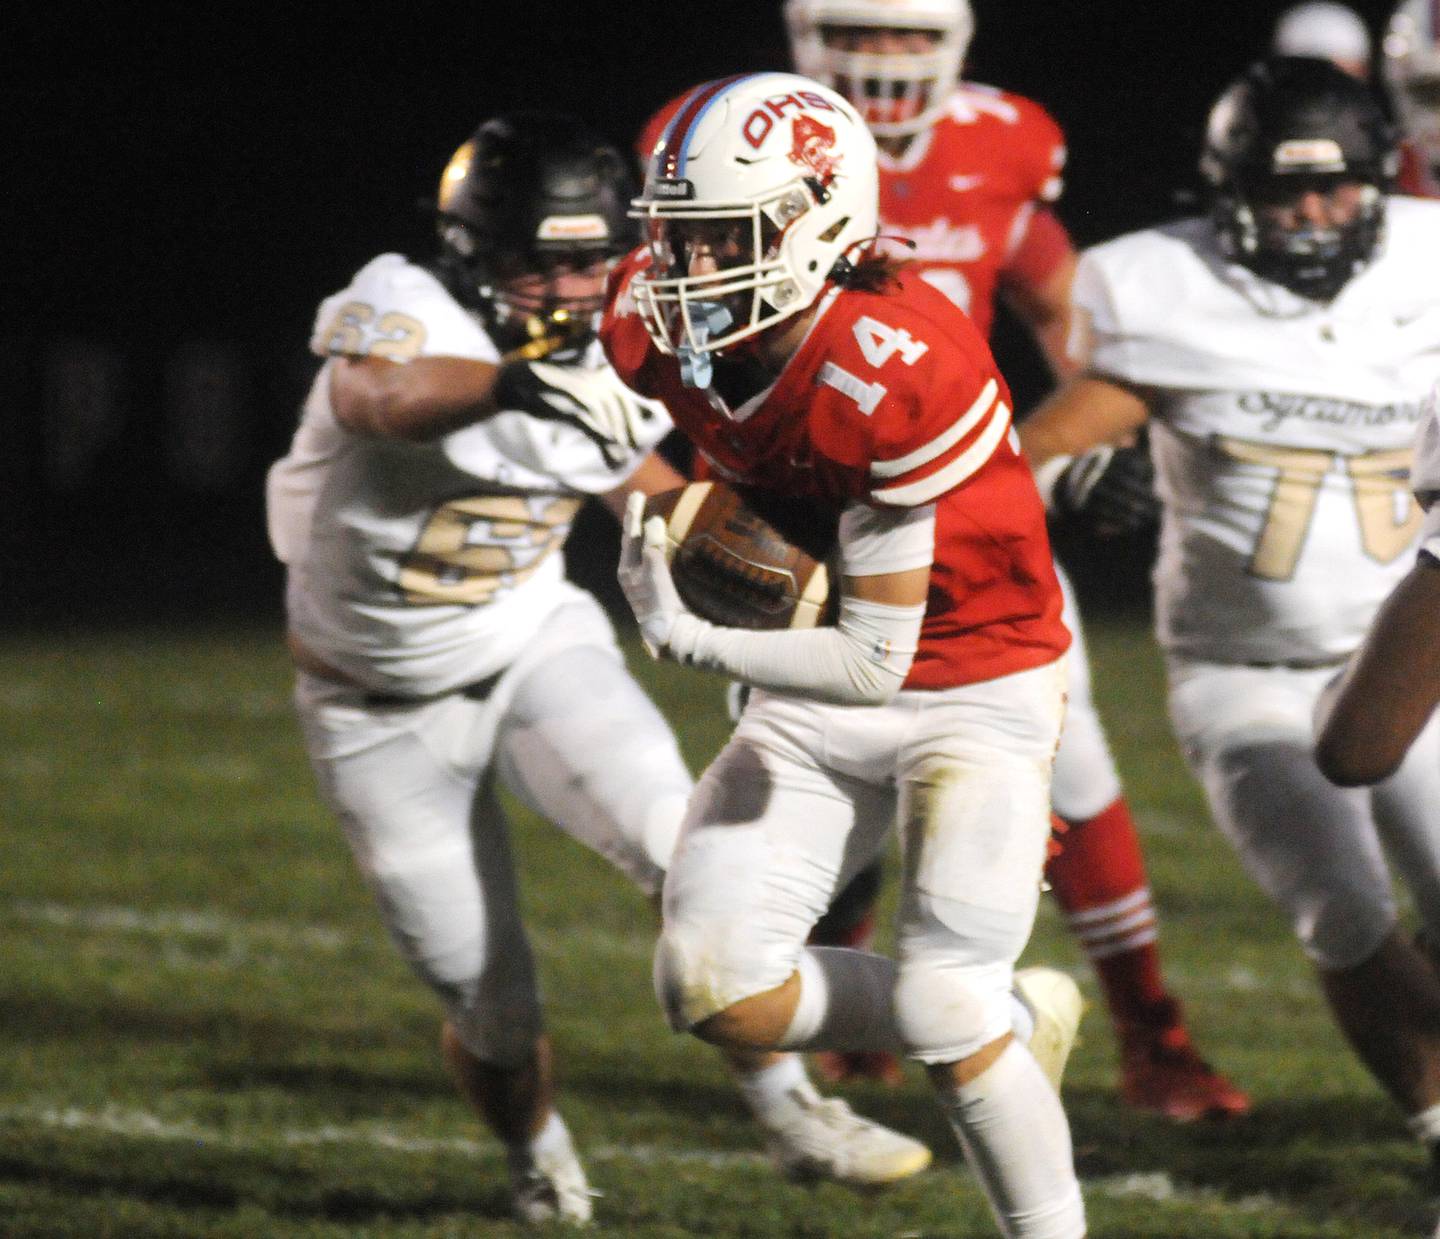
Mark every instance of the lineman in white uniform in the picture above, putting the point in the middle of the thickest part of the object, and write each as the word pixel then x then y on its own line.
pixel 462 416
pixel 1281 350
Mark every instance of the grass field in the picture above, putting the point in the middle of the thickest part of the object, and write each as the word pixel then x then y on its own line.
pixel 204 1032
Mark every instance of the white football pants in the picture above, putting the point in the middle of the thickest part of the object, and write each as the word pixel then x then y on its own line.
pixel 804 796
pixel 1086 780
pixel 570 733
pixel 1317 850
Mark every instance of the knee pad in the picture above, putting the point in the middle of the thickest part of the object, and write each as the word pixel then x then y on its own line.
pixel 694 980
pixel 1339 928
pixel 946 1009
pixel 1308 846
pixel 953 993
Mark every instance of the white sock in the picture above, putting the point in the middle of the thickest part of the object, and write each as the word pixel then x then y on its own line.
pixel 1425 1126
pixel 775 1092
pixel 847 1002
pixel 552 1142
pixel 1017 1141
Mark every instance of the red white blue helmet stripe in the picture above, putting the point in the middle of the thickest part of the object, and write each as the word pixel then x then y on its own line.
pixel 673 150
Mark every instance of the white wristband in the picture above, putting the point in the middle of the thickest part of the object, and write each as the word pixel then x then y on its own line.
pixel 1047 475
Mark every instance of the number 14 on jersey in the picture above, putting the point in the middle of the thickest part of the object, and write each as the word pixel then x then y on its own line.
pixel 878 342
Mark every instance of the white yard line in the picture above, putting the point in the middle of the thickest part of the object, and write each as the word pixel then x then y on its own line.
pixel 139 1125
pixel 179 924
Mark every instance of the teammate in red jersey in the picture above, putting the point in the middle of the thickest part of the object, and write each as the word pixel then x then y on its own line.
pixel 800 363
pixel 1411 70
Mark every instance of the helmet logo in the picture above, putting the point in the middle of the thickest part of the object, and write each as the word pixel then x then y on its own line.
pixel 813 146
pixel 572 228
pixel 762 120
pixel 1321 154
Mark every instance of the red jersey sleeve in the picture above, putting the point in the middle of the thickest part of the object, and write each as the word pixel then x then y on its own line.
pixel 1038 147
pixel 627 344
pixel 1043 246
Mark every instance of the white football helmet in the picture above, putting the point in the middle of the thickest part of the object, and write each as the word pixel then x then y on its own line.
pixel 1412 71
pixel 762 188
pixel 898 93
pixel 1324 30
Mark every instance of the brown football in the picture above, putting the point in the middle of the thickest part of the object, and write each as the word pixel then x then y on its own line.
pixel 733 568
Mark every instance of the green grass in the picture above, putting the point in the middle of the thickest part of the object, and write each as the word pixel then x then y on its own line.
pixel 204 1032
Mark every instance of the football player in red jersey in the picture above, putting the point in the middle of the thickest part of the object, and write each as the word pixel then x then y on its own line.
pixel 1411 67
pixel 967 176
pixel 800 362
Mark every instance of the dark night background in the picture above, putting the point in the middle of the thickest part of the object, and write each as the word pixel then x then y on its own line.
pixel 186 182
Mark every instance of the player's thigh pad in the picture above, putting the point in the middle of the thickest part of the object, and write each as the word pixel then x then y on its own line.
pixel 1246 733
pixel 1085 780
pixel 583 746
pixel 772 833
pixel 408 787
pixel 975 820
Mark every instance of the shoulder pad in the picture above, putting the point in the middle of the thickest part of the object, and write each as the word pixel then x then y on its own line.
pixel 910 376
pixel 397 310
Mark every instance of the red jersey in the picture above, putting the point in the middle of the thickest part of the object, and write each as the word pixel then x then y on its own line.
pixel 1416 176
pixel 965 191
pixel 893 400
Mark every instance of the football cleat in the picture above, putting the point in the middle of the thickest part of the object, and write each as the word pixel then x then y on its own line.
pixel 552 1189
pixel 825 1139
pixel 848 1066
pixel 1161 1071
pixel 1055 1004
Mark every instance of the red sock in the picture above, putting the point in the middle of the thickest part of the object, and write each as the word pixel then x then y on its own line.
pixel 1099 880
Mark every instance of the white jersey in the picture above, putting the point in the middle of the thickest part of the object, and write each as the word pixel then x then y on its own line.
pixel 418 568
pixel 1281 430
pixel 1425 477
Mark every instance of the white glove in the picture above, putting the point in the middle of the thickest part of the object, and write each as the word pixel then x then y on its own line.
pixel 645 576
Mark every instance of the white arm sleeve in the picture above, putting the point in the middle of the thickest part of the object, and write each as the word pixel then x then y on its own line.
pixel 862 661
pixel 865 658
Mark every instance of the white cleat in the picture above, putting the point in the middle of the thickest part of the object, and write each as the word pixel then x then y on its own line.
pixel 554 1189
pixel 1055 1004
pixel 825 1139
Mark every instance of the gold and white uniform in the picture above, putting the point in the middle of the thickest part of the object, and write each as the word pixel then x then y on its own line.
pixel 430 577
pixel 1282 432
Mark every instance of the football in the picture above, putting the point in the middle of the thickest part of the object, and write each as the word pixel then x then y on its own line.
pixel 732 567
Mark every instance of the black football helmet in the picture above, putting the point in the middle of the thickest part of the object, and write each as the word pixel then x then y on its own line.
pixel 527 192
pixel 1290 123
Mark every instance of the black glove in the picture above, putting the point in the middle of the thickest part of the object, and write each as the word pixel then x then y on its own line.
pixel 1109 491
pixel 594 401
